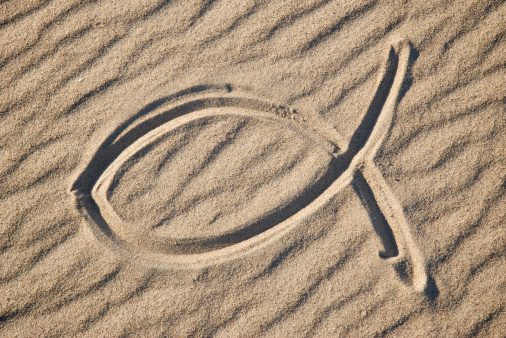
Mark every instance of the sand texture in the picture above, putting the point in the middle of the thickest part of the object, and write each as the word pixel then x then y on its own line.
pixel 252 168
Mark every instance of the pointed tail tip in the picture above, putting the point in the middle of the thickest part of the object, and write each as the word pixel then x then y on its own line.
pixel 426 285
pixel 400 43
pixel 420 284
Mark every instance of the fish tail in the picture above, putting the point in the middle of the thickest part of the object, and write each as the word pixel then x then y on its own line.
pixel 386 211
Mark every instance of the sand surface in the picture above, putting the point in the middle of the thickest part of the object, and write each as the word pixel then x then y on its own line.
pixel 252 168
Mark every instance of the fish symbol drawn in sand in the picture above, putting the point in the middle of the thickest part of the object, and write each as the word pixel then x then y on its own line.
pixel 203 111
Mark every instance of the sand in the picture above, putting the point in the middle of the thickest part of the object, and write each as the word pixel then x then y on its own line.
pixel 252 168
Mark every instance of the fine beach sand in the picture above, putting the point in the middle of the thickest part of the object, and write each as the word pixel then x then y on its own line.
pixel 252 168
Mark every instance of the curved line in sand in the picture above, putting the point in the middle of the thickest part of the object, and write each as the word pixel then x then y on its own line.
pixel 383 195
pixel 178 246
pixel 90 188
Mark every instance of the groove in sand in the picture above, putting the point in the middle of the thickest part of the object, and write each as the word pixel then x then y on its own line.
pixel 354 163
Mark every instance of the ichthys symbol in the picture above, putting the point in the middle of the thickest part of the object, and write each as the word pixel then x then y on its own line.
pixel 203 112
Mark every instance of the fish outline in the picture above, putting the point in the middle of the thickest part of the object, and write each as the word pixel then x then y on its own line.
pixel 356 166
